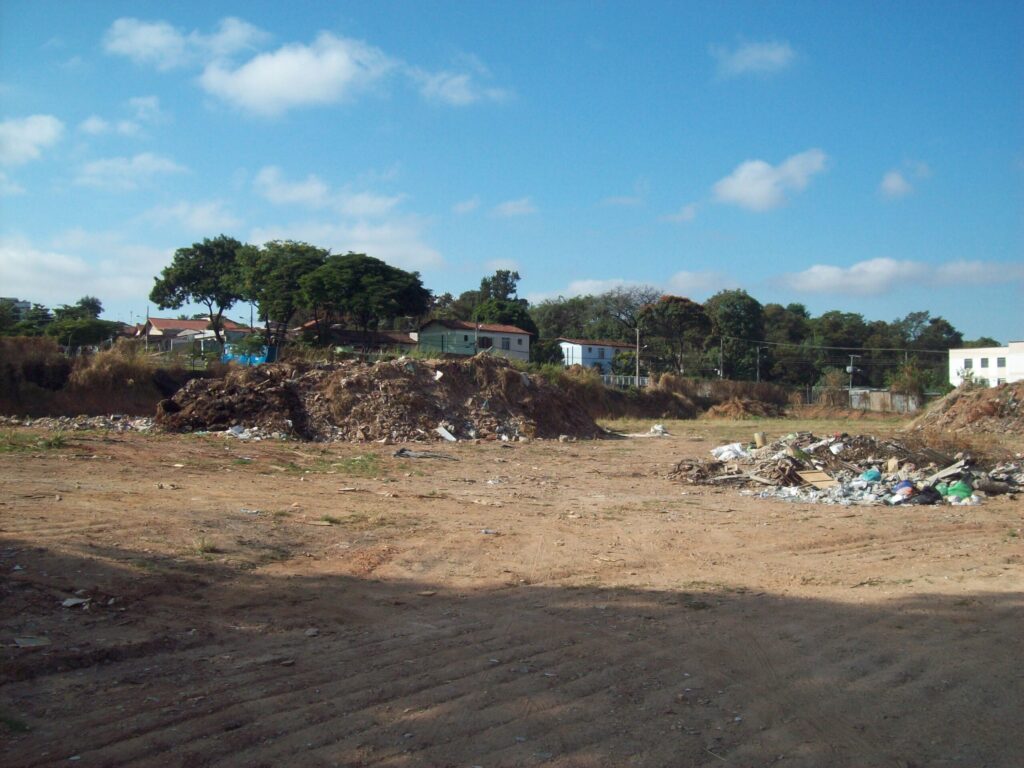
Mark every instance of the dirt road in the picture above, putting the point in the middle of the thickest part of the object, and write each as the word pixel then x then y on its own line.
pixel 548 604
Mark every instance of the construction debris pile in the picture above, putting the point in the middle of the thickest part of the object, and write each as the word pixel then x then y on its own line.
pixel 483 397
pixel 850 469
pixel 744 408
pixel 977 410
pixel 113 423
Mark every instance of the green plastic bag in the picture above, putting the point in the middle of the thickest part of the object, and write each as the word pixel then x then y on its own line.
pixel 960 489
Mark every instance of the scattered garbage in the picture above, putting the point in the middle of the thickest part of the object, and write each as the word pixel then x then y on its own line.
pixel 848 469
pixel 31 642
pixel 113 423
pixel 407 453
pixel 73 602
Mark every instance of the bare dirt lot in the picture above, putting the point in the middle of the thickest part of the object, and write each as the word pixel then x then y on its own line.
pixel 542 603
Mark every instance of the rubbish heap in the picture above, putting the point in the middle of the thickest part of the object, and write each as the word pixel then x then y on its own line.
pixel 850 469
pixel 112 423
pixel 484 397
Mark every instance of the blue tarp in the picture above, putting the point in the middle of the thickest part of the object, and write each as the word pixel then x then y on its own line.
pixel 265 355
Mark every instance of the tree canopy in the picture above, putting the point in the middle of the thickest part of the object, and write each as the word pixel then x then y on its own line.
pixel 270 277
pixel 205 273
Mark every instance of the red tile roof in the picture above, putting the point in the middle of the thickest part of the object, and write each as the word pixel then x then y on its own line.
pixel 173 324
pixel 465 325
pixel 598 343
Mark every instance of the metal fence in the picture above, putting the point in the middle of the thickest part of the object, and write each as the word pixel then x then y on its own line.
pixel 624 382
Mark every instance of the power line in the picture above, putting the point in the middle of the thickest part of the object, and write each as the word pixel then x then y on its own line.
pixel 905 350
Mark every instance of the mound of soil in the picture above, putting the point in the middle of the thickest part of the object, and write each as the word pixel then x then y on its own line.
pixel 398 400
pixel 743 408
pixel 979 410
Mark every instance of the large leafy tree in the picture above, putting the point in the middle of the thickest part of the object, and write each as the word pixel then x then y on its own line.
pixel 270 277
pixel 364 290
pixel 502 285
pixel 79 331
pixel 34 321
pixel 505 312
pixel 737 321
pixel 681 324
pixel 205 273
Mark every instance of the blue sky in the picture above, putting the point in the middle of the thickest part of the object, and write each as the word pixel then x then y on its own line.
pixel 867 157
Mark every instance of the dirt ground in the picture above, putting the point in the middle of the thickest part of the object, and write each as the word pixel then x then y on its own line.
pixel 528 604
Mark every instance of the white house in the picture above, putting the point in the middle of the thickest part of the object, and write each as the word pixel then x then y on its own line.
pixel 461 337
pixel 591 353
pixel 989 365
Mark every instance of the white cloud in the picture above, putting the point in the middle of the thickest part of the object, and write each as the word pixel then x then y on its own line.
pixel 874 277
pixel 9 188
pixel 314 193
pixel 894 185
pixel 366 204
pixel 685 214
pixel 147 42
pixel 125 173
pixel 455 88
pixel 95 125
pixel 146 108
pixel 399 242
pixel 297 75
pixel 163 46
pixel 77 264
pixel 977 273
pixel 207 217
pixel 700 284
pixel 271 183
pixel 522 207
pixel 23 139
pixel 466 206
pixel 753 58
pixel 758 186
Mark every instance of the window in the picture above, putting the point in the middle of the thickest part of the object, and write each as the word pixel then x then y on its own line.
pixel 984 362
pixel 600 353
pixel 590 350
pixel 506 342
pixel 968 364
pixel 1000 362
pixel 485 342
pixel 1000 381
pixel 465 337
pixel 519 341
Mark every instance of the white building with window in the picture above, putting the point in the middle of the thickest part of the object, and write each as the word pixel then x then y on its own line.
pixel 460 337
pixel 988 365
pixel 591 353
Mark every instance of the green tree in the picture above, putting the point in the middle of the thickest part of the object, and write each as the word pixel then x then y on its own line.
pixel 788 328
pixel 81 331
pixel 8 318
pixel 546 351
pixel 681 324
pixel 205 273
pixel 506 312
pixel 501 286
pixel 737 323
pixel 35 321
pixel 981 341
pixel 364 290
pixel 270 278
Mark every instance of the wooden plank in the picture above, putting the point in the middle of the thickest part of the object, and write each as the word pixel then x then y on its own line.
pixel 817 479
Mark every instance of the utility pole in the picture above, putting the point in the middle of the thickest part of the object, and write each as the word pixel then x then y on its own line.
pixel 721 357
pixel 851 369
pixel 758 363
pixel 638 357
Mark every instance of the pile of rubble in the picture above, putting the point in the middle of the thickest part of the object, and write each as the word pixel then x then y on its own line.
pixel 113 423
pixel 744 408
pixel 980 410
pixel 850 469
pixel 402 400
